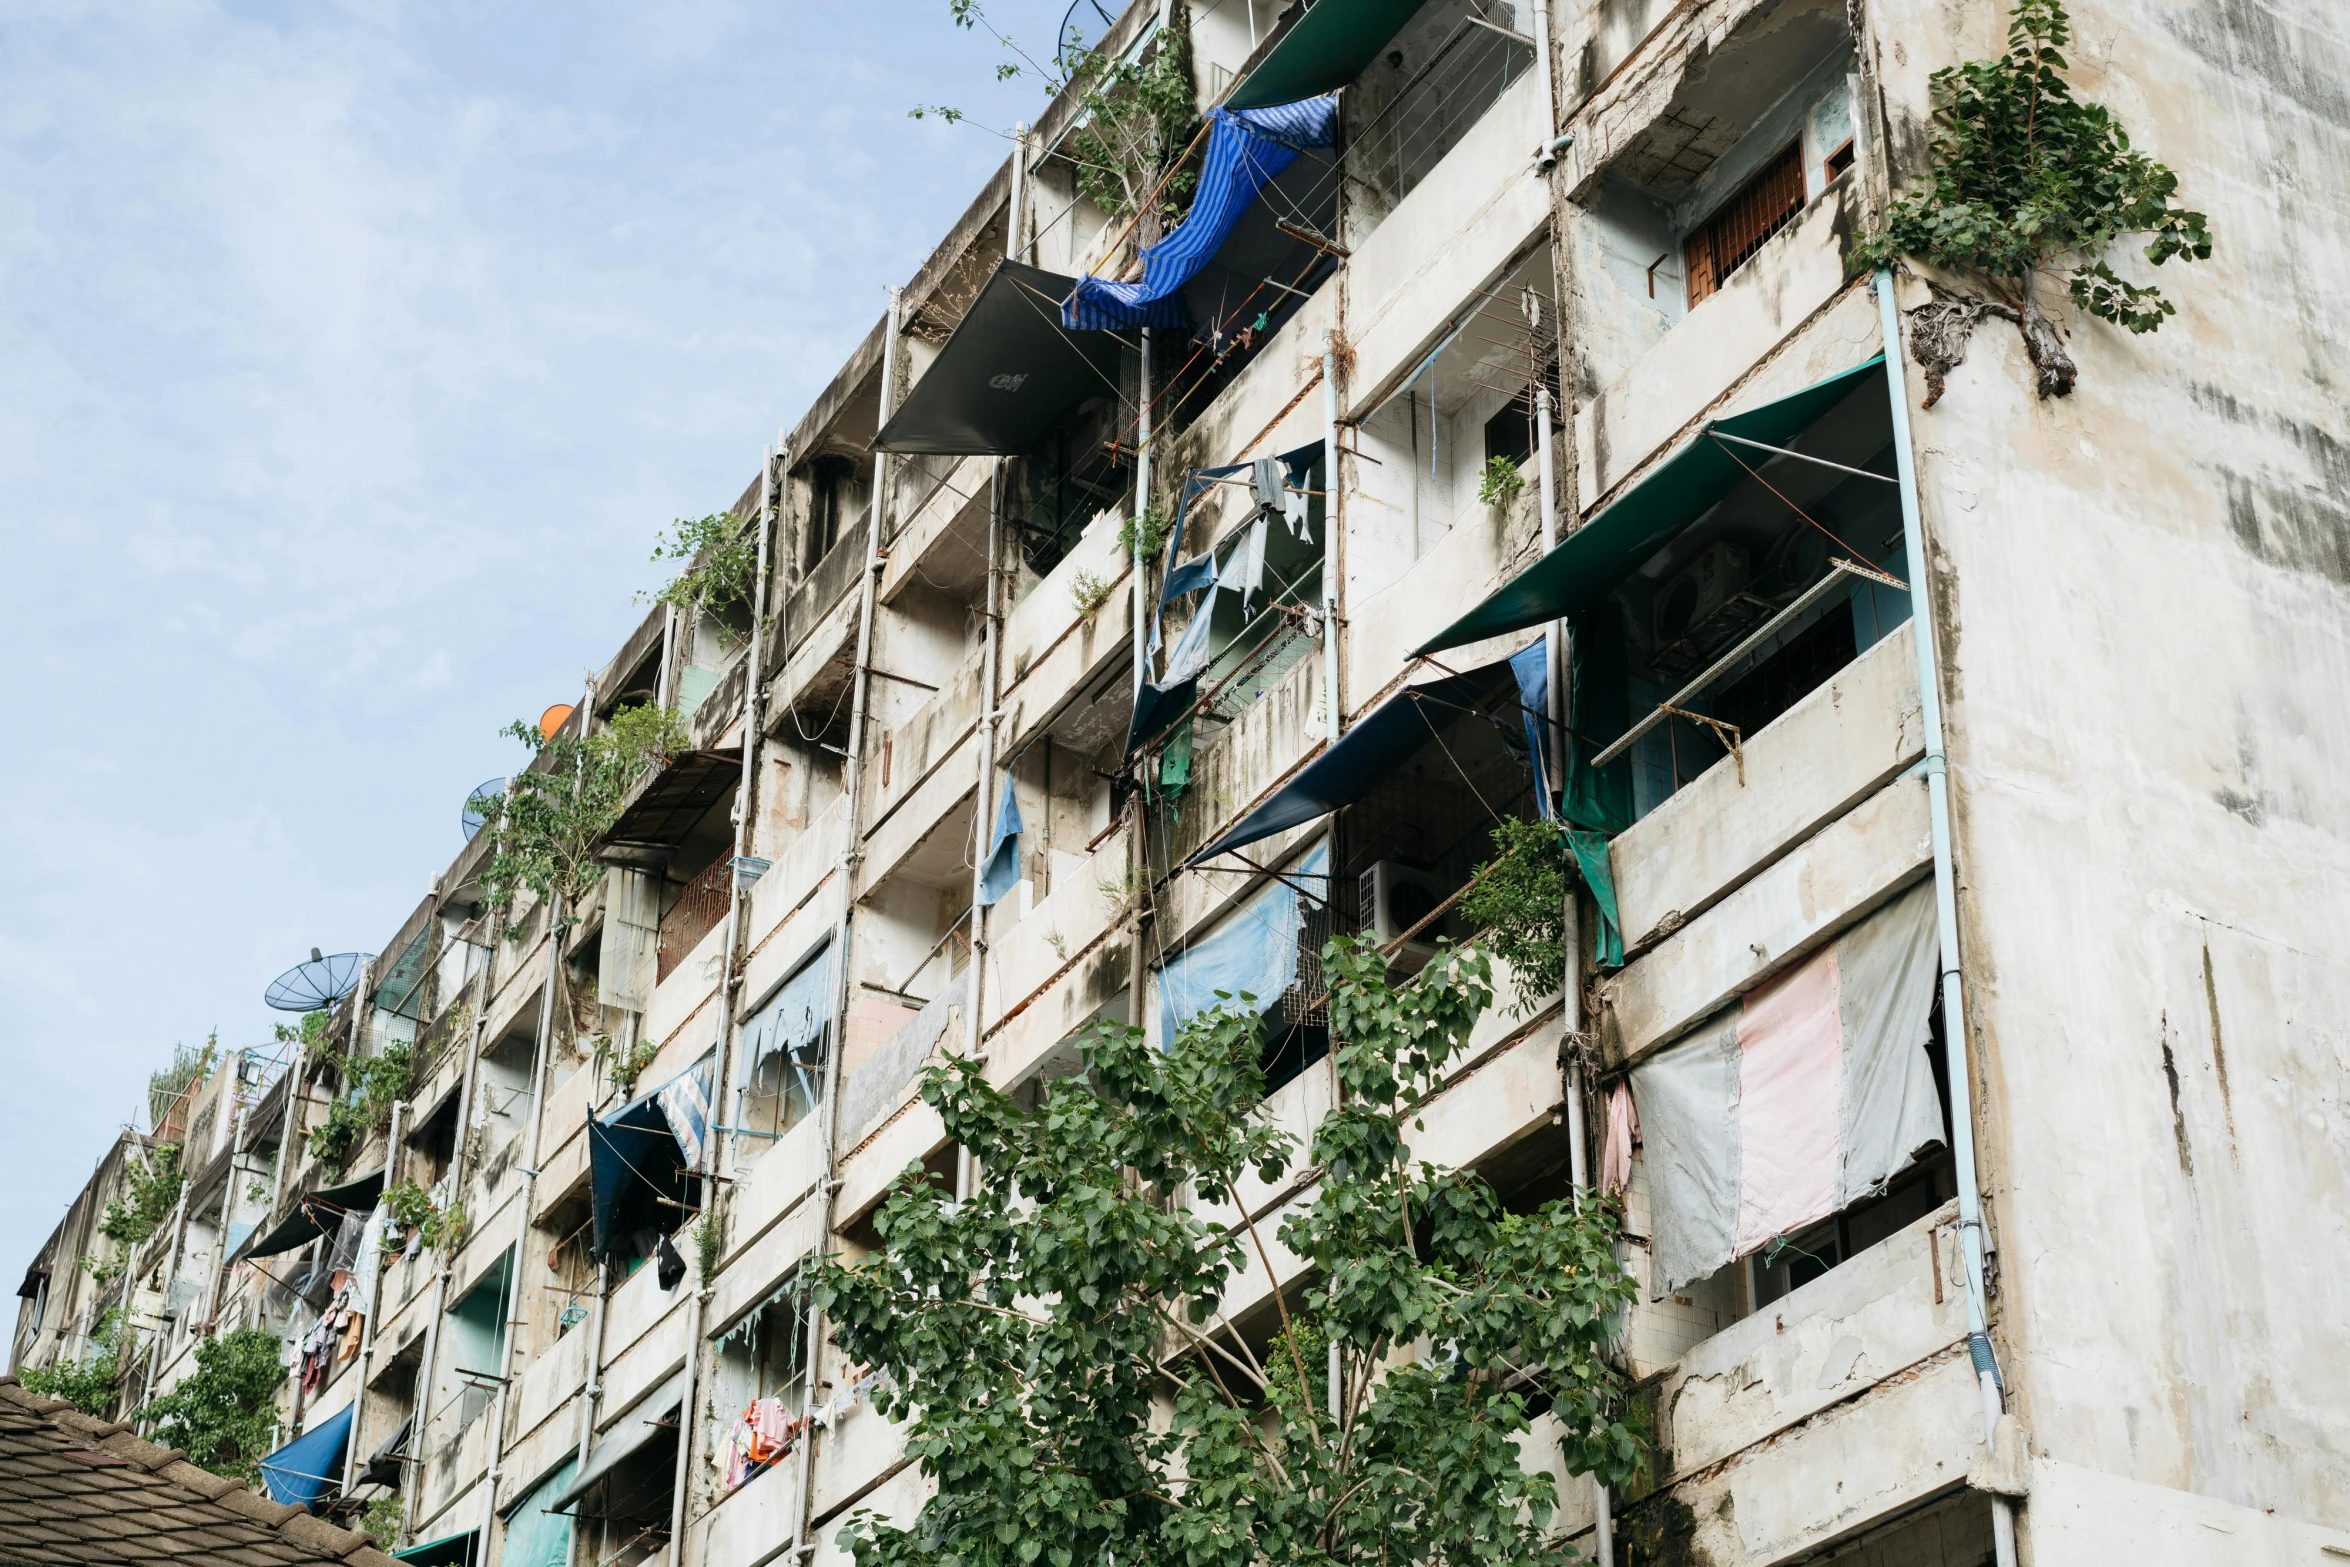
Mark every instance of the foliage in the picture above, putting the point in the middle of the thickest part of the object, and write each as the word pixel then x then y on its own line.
pixel 379 1520
pixel 88 1384
pixel 222 1413
pixel 105 1270
pixel 1136 120
pixel 151 1189
pixel 1089 592
pixel 721 562
pixel 709 1244
pixel 545 832
pixel 190 1064
pixel 411 1207
pixel 372 1085
pixel 1499 483
pixel 1153 537
pixel 1048 1338
pixel 624 1067
pixel 1520 898
pixel 2026 178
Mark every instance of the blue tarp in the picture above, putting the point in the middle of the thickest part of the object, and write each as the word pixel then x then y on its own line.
pixel 637 1154
pixel 1002 872
pixel 1247 149
pixel 1164 700
pixel 1531 666
pixel 297 1473
pixel 1252 953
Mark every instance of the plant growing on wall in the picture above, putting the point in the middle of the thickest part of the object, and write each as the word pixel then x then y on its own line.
pixel 89 1384
pixel 2025 181
pixel 151 1189
pixel 623 1067
pixel 223 1413
pixel 411 1208
pixel 1150 539
pixel 721 559
pixel 547 827
pixel 1136 119
pixel 190 1065
pixel 1519 898
pixel 1088 593
pixel 1054 1341
pixel 371 1086
pixel 1500 483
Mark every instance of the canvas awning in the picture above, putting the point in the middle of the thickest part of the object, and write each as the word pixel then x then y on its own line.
pixel 450 1550
pixel 1589 562
pixel 641 1156
pixel 1378 744
pixel 1006 374
pixel 309 1220
pixel 1327 47
pixel 677 798
pixel 629 1436
pixel 300 1471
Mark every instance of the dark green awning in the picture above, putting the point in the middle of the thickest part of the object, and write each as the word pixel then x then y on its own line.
pixel 447 1551
pixel 1006 374
pixel 1589 562
pixel 1326 48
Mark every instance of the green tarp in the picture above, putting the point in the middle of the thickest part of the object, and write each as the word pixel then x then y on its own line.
pixel 448 1551
pixel 1328 47
pixel 1589 562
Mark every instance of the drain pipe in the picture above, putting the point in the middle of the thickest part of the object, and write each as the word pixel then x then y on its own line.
pixel 984 805
pixel 1554 638
pixel 1142 501
pixel 698 1307
pixel 1955 1034
pixel 1330 533
pixel 373 1306
pixel 428 1365
pixel 852 855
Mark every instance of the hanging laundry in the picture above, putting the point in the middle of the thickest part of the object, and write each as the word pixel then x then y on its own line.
pixel 1623 1132
pixel 669 1266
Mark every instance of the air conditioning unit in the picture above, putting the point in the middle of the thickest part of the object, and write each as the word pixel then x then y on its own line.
pixel 1394 898
pixel 1699 591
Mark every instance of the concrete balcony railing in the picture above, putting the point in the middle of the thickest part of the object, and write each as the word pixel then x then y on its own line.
pixel 1236 767
pixel 750 1523
pixel 911 751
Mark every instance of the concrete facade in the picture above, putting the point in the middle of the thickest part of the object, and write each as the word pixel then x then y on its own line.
pixel 2141 619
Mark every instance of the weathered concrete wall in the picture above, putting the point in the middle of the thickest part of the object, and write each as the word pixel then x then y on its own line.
pixel 2145 618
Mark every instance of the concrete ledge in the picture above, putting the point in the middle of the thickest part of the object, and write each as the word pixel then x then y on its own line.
pixel 1807 898
pixel 1807 767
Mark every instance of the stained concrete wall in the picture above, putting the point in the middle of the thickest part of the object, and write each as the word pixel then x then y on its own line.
pixel 2145 621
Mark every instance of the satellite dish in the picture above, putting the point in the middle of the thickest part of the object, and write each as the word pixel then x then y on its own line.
pixel 1082 26
pixel 478 805
pixel 554 718
pixel 321 982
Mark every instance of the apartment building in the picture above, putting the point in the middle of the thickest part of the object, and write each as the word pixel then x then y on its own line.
pixel 1957 986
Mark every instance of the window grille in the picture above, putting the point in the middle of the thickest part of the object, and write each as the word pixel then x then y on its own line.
pixel 1760 208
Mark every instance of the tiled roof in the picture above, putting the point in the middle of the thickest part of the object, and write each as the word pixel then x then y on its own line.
pixel 74 1490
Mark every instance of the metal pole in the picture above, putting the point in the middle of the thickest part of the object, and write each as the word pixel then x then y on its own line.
pixel 1013 244
pixel 852 855
pixel 1330 707
pixel 1142 501
pixel 372 1307
pixel 974 996
pixel 1956 1038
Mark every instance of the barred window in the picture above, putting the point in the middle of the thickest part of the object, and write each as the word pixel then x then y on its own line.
pixel 1760 208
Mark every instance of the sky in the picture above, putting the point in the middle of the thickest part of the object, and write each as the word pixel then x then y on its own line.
pixel 352 355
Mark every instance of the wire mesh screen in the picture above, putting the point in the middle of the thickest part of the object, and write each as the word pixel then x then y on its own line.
pixel 695 914
pixel 1307 1000
pixel 1470 70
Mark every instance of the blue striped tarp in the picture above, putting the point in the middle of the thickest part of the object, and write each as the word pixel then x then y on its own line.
pixel 1247 149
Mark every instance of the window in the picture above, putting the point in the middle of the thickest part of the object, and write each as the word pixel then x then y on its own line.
pixel 833 483
pixel 477 1340
pixel 785 1046
pixel 1758 209
pixel 1836 162
pixel 1510 433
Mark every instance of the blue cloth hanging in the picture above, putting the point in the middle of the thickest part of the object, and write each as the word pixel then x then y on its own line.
pixel 638 1156
pixel 1002 873
pixel 1252 954
pixel 1247 150
pixel 298 1473
pixel 1531 667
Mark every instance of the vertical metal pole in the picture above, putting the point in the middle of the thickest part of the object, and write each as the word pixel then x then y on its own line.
pixel 1956 1039
pixel 1330 523
pixel 372 1307
pixel 1013 243
pixel 1142 501
pixel 852 856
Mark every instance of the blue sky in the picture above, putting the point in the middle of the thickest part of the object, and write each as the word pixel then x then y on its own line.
pixel 352 352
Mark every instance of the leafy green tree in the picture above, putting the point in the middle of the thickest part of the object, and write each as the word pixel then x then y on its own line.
pixel 222 1412
pixel 720 560
pixel 544 832
pixel 92 1383
pixel 2026 179
pixel 372 1085
pixel 1057 1345
pixel 151 1189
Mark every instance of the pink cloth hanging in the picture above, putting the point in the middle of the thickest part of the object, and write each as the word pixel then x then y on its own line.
pixel 1623 1130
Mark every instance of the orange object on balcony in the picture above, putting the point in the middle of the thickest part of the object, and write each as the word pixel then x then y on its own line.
pixel 554 718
